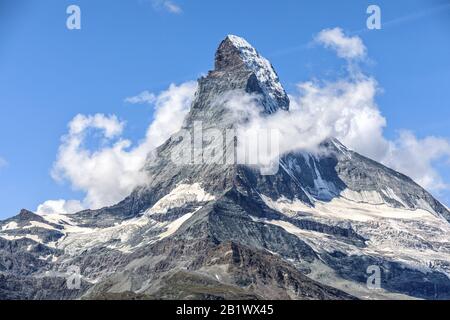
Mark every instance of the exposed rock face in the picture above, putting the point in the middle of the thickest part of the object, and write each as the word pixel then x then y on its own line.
pixel 224 231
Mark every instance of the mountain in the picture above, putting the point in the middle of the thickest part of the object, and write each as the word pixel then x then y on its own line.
pixel 200 230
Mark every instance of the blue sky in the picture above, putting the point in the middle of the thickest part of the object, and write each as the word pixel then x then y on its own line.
pixel 49 74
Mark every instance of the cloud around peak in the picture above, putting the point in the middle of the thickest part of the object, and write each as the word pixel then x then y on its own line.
pixel 346 109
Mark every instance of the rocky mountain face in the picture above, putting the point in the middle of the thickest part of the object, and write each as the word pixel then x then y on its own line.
pixel 202 230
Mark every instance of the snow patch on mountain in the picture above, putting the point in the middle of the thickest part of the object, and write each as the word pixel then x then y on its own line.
pixel 37 224
pixel 120 236
pixel 346 209
pixel 28 236
pixel 181 195
pixel 290 208
pixel 9 226
pixel 175 225
pixel 78 239
pixel 364 196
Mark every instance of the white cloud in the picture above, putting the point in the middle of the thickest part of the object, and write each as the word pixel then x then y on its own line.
pixel 143 97
pixel 104 174
pixel 344 109
pixel 60 206
pixel 167 5
pixel 345 47
pixel 416 157
pixel 171 107
pixel 110 125
pixel 347 110
pixel 109 174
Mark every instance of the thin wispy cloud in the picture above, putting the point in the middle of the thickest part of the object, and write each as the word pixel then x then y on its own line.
pixel 143 97
pixel 408 18
pixel 167 5
pixel 418 15
pixel 172 7
pixel 3 163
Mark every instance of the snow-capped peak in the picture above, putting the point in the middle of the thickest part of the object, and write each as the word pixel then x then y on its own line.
pixel 240 42
pixel 274 95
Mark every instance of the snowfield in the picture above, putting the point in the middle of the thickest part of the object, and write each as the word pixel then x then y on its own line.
pixel 418 238
pixel 77 239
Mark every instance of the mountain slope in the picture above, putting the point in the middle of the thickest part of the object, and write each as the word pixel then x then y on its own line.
pixel 226 231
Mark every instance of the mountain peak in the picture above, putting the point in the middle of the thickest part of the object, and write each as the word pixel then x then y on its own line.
pixel 25 213
pixel 240 42
pixel 236 53
pixel 229 53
